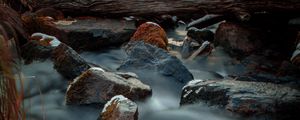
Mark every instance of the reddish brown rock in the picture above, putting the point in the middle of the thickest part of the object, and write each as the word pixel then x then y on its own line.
pixel 151 33
pixel 97 86
pixel 238 40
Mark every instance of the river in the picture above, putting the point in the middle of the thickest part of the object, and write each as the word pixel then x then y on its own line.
pixel 45 88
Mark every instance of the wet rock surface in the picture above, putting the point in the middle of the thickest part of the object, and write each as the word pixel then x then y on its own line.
pixel 239 40
pixel 151 33
pixel 97 86
pixel 246 98
pixel 143 56
pixel 119 108
pixel 259 68
pixel 68 62
pixel 94 33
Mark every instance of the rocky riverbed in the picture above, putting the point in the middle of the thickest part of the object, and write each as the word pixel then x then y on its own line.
pixel 46 87
pixel 91 67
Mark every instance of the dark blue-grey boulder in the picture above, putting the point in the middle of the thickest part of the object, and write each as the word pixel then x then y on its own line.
pixel 280 102
pixel 143 56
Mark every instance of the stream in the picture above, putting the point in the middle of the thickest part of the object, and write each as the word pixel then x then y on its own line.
pixel 45 88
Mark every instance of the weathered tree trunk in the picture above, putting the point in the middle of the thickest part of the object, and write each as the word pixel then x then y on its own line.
pixel 147 7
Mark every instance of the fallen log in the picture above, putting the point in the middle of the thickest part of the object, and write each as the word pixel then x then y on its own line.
pixel 115 8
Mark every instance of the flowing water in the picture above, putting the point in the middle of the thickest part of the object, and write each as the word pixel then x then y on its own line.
pixel 45 88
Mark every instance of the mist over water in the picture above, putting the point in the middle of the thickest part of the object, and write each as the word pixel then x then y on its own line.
pixel 164 103
pixel 45 89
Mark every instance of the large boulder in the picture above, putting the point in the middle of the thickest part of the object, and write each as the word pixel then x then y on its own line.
pixel 94 33
pixel 97 86
pixel 82 33
pixel 239 40
pixel 246 98
pixel 151 33
pixel 119 108
pixel 143 56
pixel 68 62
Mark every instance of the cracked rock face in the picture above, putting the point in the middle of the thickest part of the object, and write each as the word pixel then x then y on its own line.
pixel 97 86
pixel 246 98
pixel 143 56
pixel 119 108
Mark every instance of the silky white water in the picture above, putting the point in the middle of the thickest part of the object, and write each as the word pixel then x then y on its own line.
pixel 45 88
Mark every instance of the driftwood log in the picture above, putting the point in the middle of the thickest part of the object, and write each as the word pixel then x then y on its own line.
pixel 241 8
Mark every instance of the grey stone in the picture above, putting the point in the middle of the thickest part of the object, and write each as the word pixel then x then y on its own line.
pixel 68 62
pixel 143 56
pixel 246 98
